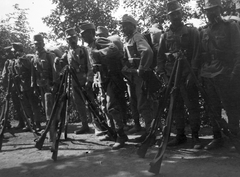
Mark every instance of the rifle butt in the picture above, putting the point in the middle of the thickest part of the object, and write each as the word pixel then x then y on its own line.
pixel 155 166
pixel 142 150
pixel 40 141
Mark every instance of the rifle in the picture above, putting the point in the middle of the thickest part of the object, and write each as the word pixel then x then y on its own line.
pixel 157 161
pixel 6 110
pixel 40 140
pixel 59 127
pixel 29 121
pixel 156 121
pixel 98 114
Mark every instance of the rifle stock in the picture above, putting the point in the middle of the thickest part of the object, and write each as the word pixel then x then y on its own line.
pixel 155 122
pixel 40 140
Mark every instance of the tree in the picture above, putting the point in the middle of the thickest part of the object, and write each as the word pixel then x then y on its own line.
pixel 69 13
pixel 148 12
pixel 15 28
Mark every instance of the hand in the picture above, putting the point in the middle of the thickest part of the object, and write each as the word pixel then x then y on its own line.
pixel 164 78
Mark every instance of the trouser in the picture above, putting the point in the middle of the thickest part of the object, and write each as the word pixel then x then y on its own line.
pixel 17 106
pixel 31 105
pixel 188 96
pixel 80 104
pixel 133 104
pixel 213 101
pixel 113 106
pixel 229 93
pixel 144 103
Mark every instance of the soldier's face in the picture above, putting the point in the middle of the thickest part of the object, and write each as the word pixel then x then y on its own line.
pixel 72 41
pixel 127 28
pixel 213 13
pixel 88 36
pixel 39 46
pixel 176 17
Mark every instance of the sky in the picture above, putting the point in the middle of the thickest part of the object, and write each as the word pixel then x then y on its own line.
pixel 37 10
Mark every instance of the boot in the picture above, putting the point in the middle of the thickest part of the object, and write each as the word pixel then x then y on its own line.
pixel 38 126
pixel 141 138
pixel 20 125
pixel 215 144
pixel 83 129
pixel 121 139
pixel 136 128
pixel 196 141
pixel 179 139
pixel 26 129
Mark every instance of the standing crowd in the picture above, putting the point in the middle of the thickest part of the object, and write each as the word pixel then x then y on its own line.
pixel 119 67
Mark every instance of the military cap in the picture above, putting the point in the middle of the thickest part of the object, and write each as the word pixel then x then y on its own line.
pixel 70 33
pixel 173 6
pixel 86 26
pixel 237 5
pixel 129 19
pixel 37 38
pixel 18 46
pixel 102 30
pixel 212 3
pixel 8 48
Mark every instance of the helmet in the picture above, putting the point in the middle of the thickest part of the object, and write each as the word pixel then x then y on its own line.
pixel 102 30
pixel 173 6
pixel 212 3
pixel 86 26
pixel 129 19
pixel 37 38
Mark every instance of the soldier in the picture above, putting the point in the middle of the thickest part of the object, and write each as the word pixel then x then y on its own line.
pixel 103 32
pixel 220 68
pixel 8 67
pixel 43 75
pixel 186 38
pixel 22 69
pixel 77 57
pixel 138 58
pixel 105 58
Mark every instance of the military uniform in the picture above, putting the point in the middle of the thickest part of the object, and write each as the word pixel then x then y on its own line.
pixel 176 38
pixel 103 52
pixel 22 69
pixel 103 32
pixel 138 57
pixel 220 67
pixel 43 74
pixel 77 58
pixel 18 114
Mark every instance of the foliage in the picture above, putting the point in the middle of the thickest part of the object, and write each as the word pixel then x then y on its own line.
pixel 68 13
pixel 15 28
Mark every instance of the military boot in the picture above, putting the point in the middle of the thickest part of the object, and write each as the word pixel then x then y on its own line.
pixel 179 139
pixel 121 139
pixel 141 138
pixel 83 129
pixel 214 144
pixel 196 141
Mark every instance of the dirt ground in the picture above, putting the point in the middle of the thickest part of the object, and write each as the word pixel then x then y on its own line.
pixel 86 156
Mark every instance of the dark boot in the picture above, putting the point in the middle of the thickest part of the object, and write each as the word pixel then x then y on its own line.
pixel 196 141
pixel 179 139
pixel 20 125
pixel 121 139
pixel 215 144
pixel 83 129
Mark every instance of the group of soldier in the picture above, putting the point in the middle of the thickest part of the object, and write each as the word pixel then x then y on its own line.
pixel 118 66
